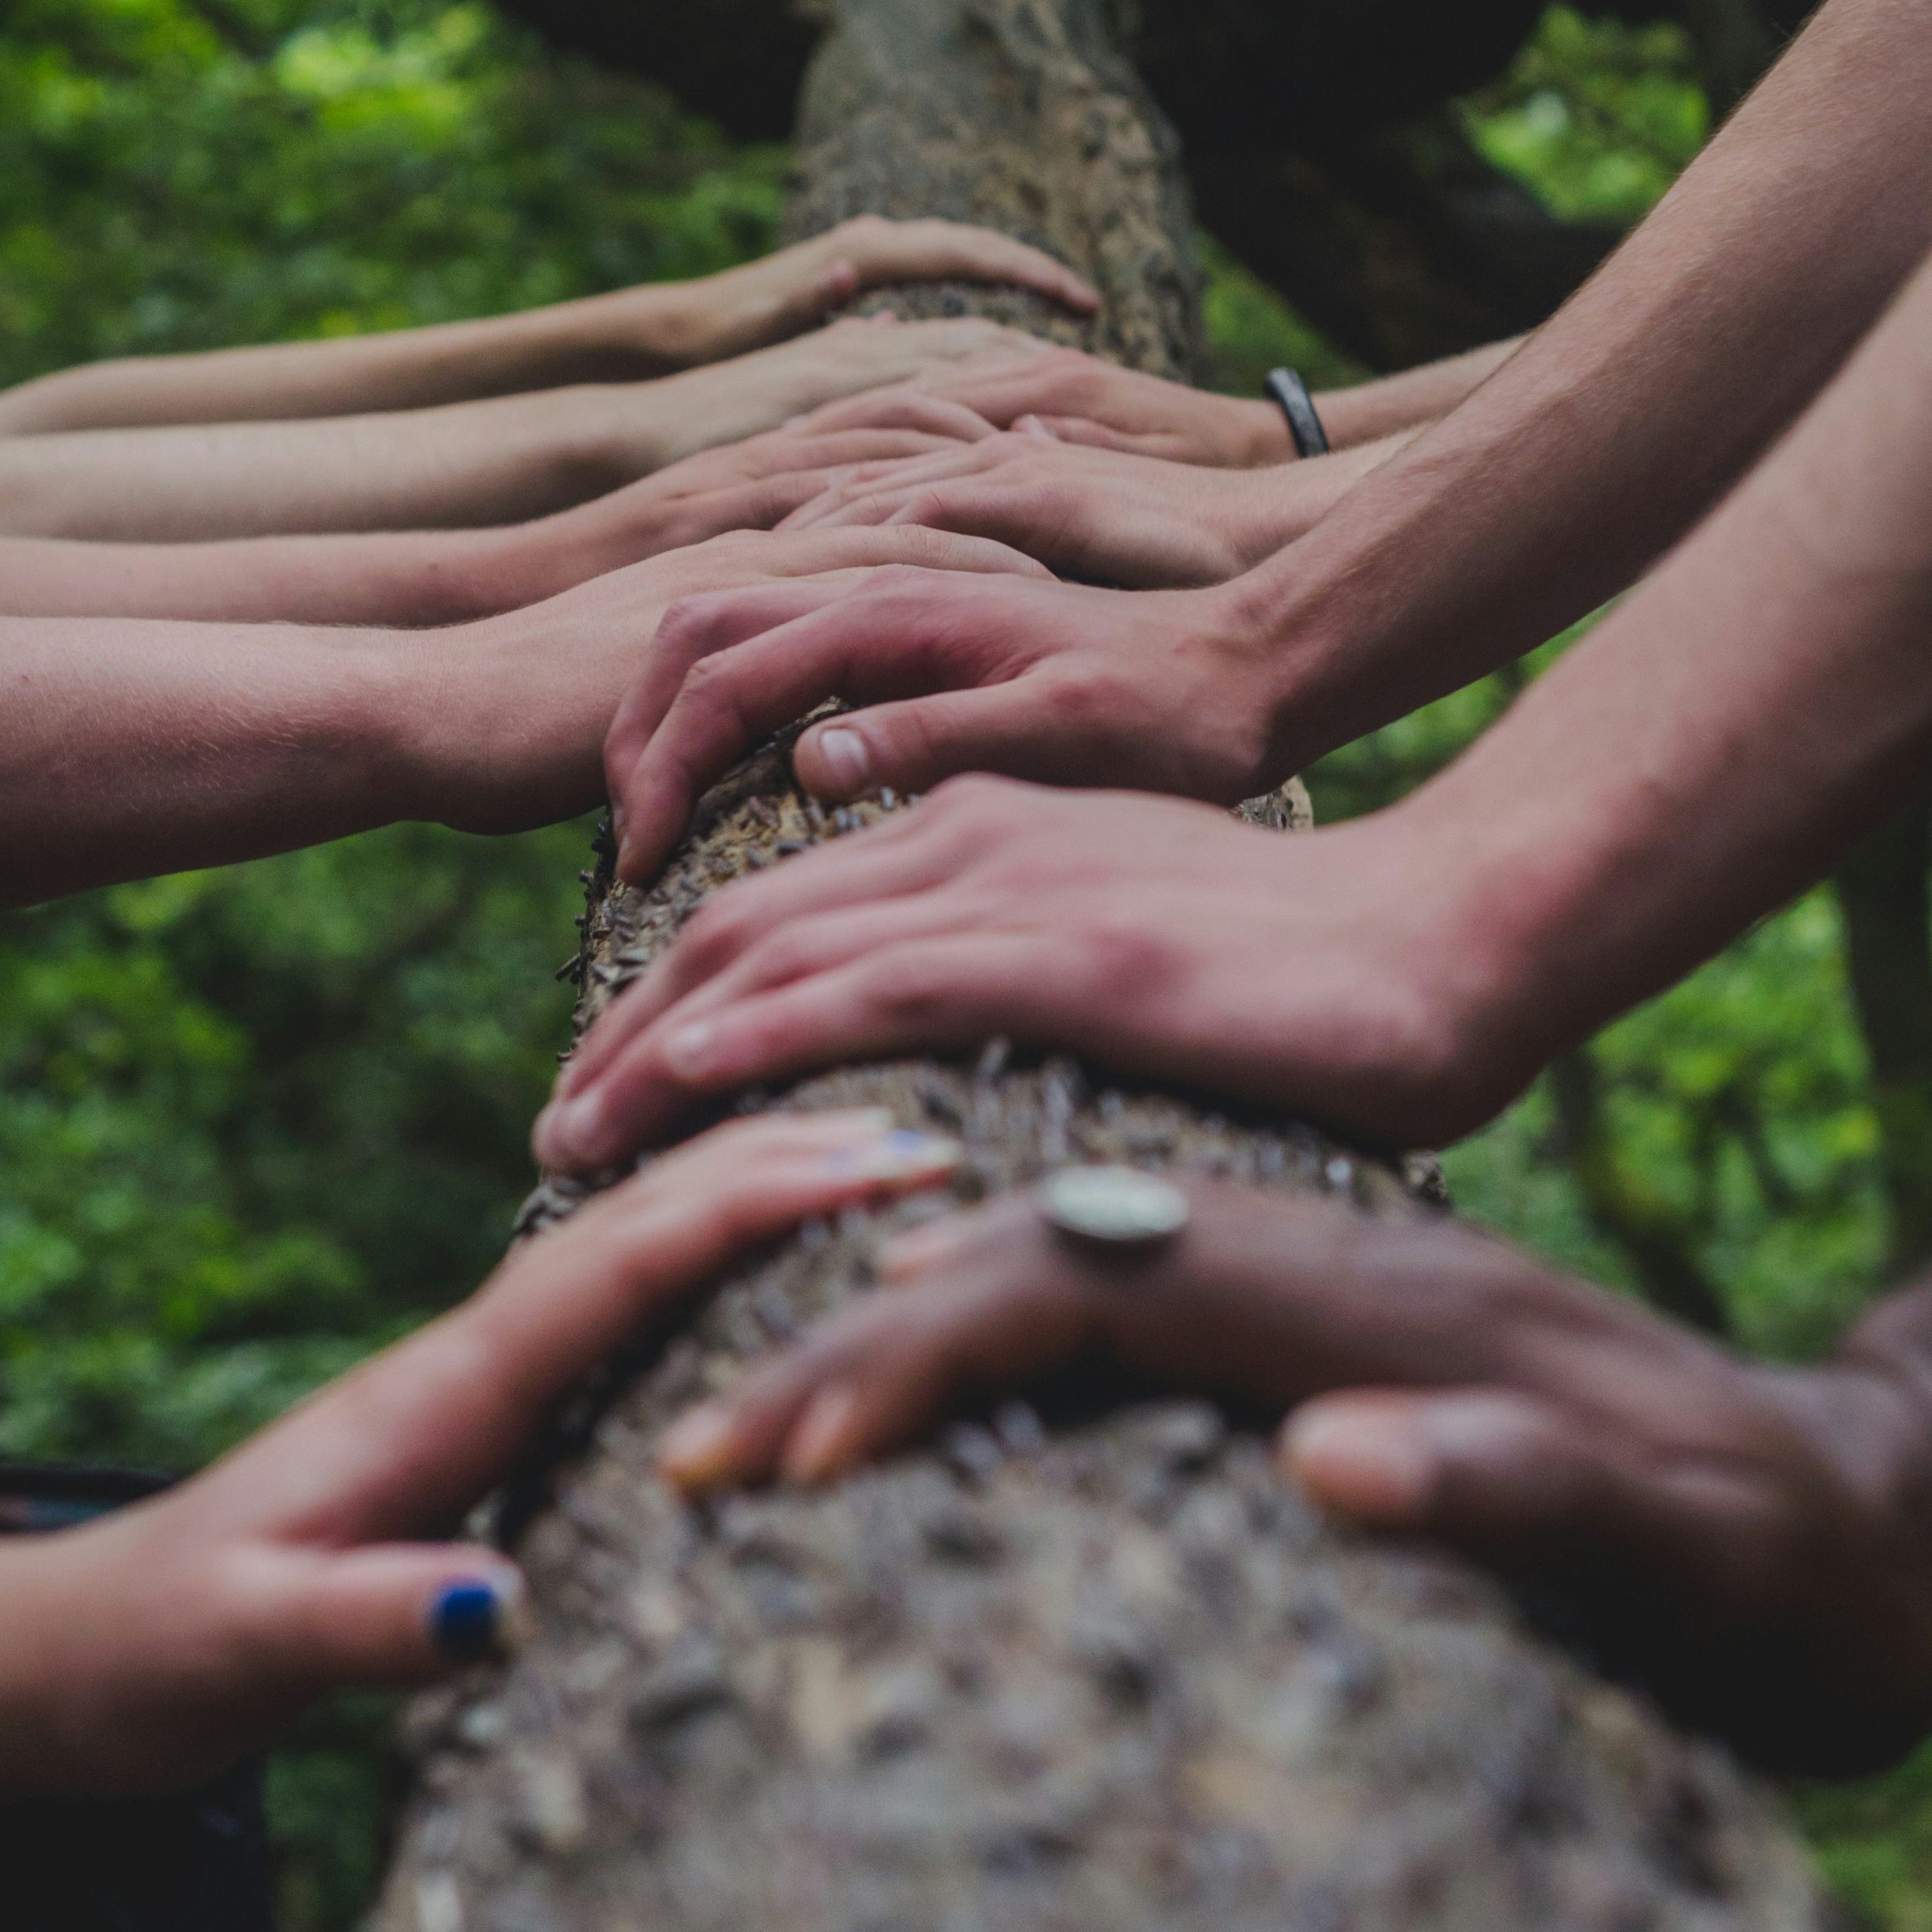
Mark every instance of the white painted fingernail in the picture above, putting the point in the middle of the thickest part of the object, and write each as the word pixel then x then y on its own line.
pixel 843 754
pixel 896 1156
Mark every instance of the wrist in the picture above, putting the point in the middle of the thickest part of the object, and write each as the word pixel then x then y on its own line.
pixel 489 734
pixel 1258 434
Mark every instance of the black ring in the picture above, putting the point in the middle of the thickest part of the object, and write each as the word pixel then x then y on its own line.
pixel 1288 389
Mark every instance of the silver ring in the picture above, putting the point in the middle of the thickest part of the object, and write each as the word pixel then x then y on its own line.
pixel 1116 1207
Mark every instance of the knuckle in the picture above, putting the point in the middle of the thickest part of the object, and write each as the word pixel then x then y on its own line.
pixel 910 989
pixel 1082 697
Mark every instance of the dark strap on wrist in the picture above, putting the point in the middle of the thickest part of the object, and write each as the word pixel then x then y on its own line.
pixel 1305 428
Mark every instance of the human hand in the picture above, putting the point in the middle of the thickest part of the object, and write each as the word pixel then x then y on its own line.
pixel 1352 975
pixel 151 1648
pixel 1168 690
pixel 498 725
pixel 1105 515
pixel 1752 1539
pixel 643 426
pixel 1077 398
pixel 798 288
pixel 748 486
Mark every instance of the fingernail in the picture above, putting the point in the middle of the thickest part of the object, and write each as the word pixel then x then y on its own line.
pixel 569 1130
pixel 843 754
pixel 685 1050
pixel 477 1617
pixel 897 1155
pixel 1372 1463
pixel 817 1447
pixel 692 1452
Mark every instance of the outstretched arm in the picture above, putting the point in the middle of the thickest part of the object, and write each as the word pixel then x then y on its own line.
pixel 463 464
pixel 418 577
pixel 628 336
pixel 134 747
pixel 303 1563
pixel 1560 480
pixel 1075 398
pixel 1708 751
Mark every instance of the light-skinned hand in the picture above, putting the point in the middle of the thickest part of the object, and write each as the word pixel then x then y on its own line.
pixel 148 1650
pixel 1079 398
pixel 1171 690
pixel 764 301
pixel 502 722
pixel 1349 975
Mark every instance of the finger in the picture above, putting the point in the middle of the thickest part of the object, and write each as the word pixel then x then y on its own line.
pixel 873 491
pixel 881 1376
pixel 1094 436
pixel 898 406
pixel 691 630
pixel 860 504
pixel 408 1441
pixel 663 752
pixel 930 994
pixel 901 856
pixel 1533 1484
pixel 302 1622
pixel 934 251
pixel 782 451
pixel 761 505
pixel 912 745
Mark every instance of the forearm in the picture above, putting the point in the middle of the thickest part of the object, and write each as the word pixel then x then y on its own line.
pixel 1275 507
pixel 620 337
pixel 1762 700
pixel 406 579
pixel 138 748
pixel 1610 432
pixel 469 464
pixel 1412 400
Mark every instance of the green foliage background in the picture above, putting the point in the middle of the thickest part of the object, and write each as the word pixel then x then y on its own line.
pixel 254 1123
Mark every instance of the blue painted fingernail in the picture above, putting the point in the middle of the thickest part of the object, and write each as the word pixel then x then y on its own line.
pixel 467 1620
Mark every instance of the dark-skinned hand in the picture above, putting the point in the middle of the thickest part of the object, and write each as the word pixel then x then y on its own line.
pixel 1755 1540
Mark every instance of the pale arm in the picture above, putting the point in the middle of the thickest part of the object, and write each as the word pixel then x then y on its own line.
pixel 131 747
pixel 463 464
pixel 418 577
pixel 1709 750
pixel 625 335
pixel 1627 415
pixel 1411 400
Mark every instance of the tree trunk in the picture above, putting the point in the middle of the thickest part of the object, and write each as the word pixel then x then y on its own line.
pixel 1101 1670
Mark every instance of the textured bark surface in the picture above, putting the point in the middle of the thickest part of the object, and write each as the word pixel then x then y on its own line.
pixel 1097 1669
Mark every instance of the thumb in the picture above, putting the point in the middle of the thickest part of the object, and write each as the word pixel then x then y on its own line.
pixel 390 1615
pixel 1479 1466
pixel 912 744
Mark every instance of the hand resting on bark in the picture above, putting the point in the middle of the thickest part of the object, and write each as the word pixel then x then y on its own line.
pixel 146 1650
pixel 1753 1539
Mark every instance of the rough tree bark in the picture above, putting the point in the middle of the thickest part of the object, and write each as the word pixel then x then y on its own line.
pixel 1099 1670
